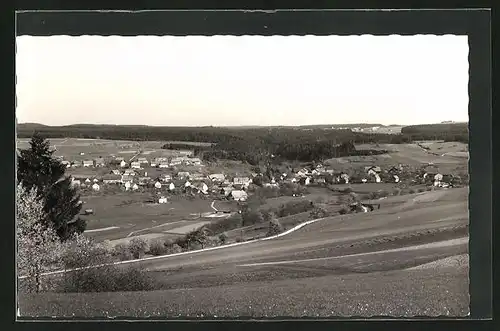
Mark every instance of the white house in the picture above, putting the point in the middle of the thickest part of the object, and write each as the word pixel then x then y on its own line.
pixel 163 164
pixel 67 164
pixel 176 161
pixel 345 177
pixel 217 177
pixel 88 163
pixel 111 179
pixel 135 165
pixel 364 180
pixel 307 181
pixel 245 181
pixel 127 185
pixel 135 187
pixel 204 188
pixel 95 180
pixel 142 160
pixel 378 179
pixel 396 179
pixel 158 185
pixel 87 181
pixel 197 176
pixel 162 200
pixel 437 179
pixel 96 187
pixel 194 161
pixel 123 164
pixel 239 195
pixel 171 187
pixel 187 184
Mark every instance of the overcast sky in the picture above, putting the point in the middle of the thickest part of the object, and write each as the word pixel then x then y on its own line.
pixel 249 80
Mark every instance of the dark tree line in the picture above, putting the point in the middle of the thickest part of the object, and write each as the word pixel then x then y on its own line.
pixel 255 145
pixel 37 168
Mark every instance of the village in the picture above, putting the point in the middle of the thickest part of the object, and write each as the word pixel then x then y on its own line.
pixel 162 176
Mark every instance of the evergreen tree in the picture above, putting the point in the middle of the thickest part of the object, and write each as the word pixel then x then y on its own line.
pixel 37 168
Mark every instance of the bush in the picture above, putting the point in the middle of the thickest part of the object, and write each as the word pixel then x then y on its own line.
pixel 239 239
pixel 122 252
pixel 318 212
pixel 138 247
pixel 225 224
pixel 251 217
pixel 411 191
pixel 157 247
pixel 344 210
pixel 222 238
pixel 295 207
pixel 421 189
pixel 396 191
pixel 275 228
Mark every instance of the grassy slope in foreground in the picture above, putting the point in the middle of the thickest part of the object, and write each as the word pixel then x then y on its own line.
pixel 427 292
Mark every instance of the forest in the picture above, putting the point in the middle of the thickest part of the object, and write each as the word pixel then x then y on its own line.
pixel 256 144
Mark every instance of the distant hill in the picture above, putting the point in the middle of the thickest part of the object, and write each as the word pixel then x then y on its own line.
pixel 453 128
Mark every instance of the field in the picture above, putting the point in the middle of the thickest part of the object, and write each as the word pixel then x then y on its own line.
pixel 129 214
pixel 71 148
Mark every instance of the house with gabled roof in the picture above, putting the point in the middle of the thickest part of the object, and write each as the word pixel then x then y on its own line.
pixel 217 177
pixel 142 160
pixel 99 162
pixel 135 165
pixel 88 163
pixel 111 179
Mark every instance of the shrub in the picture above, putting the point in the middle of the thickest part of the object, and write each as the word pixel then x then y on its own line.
pixel 383 193
pixel 251 217
pixel 275 228
pixel 225 224
pixel 396 191
pixel 222 238
pixel 421 189
pixel 122 252
pixel 318 212
pixel 295 207
pixel 239 239
pixel 346 190
pixel 175 248
pixel 343 210
pixel 157 247
pixel 411 191
pixel 138 247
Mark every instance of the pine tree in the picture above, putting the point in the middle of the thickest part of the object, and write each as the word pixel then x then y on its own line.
pixel 37 168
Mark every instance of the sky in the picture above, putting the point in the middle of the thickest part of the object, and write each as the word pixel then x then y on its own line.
pixel 241 80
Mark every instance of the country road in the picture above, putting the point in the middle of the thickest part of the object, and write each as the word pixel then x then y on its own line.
pixel 356 264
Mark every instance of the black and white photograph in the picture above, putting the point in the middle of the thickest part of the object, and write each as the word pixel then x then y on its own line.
pixel 234 176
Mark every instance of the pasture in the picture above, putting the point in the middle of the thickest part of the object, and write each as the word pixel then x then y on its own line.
pixel 130 213
pixel 71 148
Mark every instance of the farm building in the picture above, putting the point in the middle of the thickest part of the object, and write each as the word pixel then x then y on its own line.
pixel 166 178
pixel 130 172
pixel 217 177
pixel 197 176
pixel 88 163
pixel 99 162
pixel 162 200
pixel 171 186
pixel 158 185
pixel 135 165
pixel 239 195
pixel 127 178
pixel 96 187
pixel 245 181
pixel 373 170
pixel 123 164
pixel 163 164
pixel 176 161
pixel 142 160
pixel 111 179
pixel 183 174
pixel 193 161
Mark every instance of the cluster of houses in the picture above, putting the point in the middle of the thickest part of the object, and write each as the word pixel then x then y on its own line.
pixel 139 163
